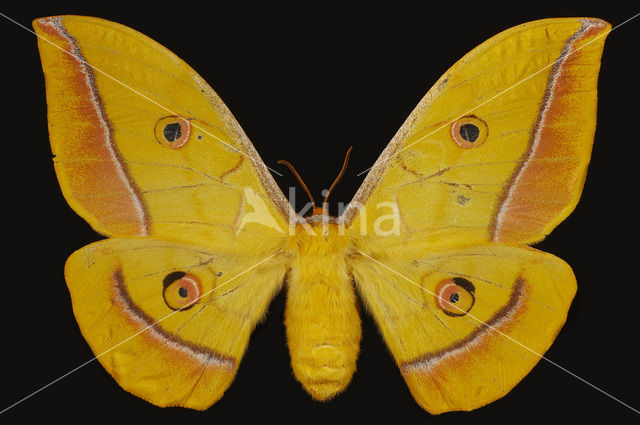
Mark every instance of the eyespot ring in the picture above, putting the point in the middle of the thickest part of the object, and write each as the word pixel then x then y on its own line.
pixel 172 131
pixel 469 131
pixel 181 291
pixel 455 297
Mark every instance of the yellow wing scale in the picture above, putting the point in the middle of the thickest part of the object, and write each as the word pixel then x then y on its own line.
pixel 169 357
pixel 534 88
pixel 463 362
pixel 108 88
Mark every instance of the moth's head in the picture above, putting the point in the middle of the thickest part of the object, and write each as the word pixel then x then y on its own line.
pixel 319 210
pixel 322 210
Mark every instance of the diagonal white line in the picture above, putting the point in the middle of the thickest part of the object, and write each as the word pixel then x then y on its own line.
pixel 562 58
pixel 132 336
pixel 501 333
pixel 80 59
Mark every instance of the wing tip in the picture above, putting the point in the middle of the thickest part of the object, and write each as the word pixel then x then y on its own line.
pixel 598 23
pixel 40 25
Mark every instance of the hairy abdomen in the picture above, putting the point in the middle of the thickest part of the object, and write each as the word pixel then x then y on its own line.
pixel 323 324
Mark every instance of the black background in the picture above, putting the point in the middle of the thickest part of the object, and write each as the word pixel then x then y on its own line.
pixel 305 83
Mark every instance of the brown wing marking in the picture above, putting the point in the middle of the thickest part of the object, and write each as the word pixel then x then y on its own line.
pixel 82 132
pixel 157 336
pixel 502 317
pixel 542 191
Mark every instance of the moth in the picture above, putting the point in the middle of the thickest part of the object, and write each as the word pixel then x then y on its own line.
pixel 436 241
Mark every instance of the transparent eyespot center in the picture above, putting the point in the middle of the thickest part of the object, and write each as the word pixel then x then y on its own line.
pixel 469 131
pixel 172 131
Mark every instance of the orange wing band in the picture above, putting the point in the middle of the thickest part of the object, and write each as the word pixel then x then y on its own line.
pixel 546 187
pixel 93 177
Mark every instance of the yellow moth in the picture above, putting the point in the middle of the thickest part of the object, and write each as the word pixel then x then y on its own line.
pixel 435 241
